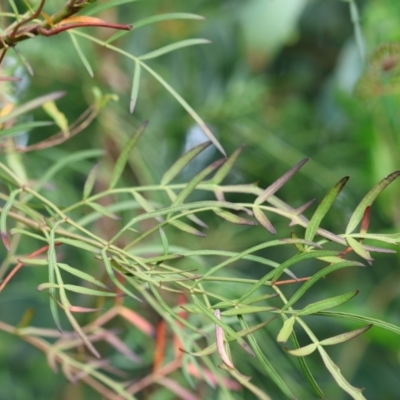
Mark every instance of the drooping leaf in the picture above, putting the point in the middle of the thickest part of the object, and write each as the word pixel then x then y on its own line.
pixel 81 54
pixel 186 228
pixel 187 107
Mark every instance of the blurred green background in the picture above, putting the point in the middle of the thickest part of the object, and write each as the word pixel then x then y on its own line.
pixel 285 78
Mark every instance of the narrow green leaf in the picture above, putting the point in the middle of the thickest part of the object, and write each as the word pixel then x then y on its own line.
pixel 361 318
pixel 135 87
pixel 323 208
pixel 90 180
pixel 299 246
pixel 186 228
pixel 226 168
pixel 172 47
pixel 111 274
pixel 102 210
pixel 33 261
pixel 188 189
pixel 304 351
pixel 22 59
pixel 3 217
pixel 243 333
pixel 82 275
pixel 344 337
pixel 79 244
pixel 187 107
pixel 279 183
pixel 66 161
pixel 20 231
pixel 51 259
pixel 153 19
pixel 277 273
pixel 182 162
pixel 226 328
pixel 242 255
pixel 354 392
pixel 31 105
pixel 246 310
pixel 391 239
pixel 87 291
pixel 367 201
pixel 245 382
pixel 327 303
pixel 235 219
pixel 22 128
pixel 81 54
pixel 95 8
pixel 263 220
pixel 267 365
pixel 164 241
pixel 286 330
pixel 259 298
pixel 316 277
pixel 123 158
pixel 359 249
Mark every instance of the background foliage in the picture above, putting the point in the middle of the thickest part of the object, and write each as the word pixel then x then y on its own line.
pixel 288 80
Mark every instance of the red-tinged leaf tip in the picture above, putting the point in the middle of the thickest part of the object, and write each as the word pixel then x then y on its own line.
pixel 263 220
pixel 219 333
pixel 274 187
pixel 300 210
pixel 365 220
pixel 304 207
pixel 78 309
pixel 5 240
pixel 9 78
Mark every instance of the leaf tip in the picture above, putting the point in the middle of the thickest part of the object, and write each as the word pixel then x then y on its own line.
pixel 5 240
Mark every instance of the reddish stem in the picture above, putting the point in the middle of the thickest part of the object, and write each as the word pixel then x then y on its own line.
pixel 58 29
